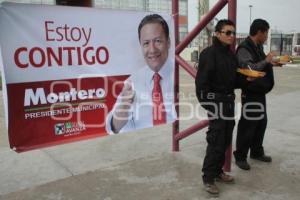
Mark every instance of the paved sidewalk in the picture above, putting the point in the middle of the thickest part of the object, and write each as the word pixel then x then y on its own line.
pixel 142 166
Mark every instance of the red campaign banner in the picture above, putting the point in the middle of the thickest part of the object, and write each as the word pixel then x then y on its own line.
pixel 55 112
pixel 63 79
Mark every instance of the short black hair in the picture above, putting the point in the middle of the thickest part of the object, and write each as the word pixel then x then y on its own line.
pixel 223 22
pixel 259 25
pixel 154 18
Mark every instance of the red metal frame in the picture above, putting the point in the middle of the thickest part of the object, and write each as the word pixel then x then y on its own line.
pixel 175 12
pixel 177 136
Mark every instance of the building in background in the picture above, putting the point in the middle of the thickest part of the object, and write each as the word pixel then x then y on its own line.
pixel 196 10
pixel 296 44
pixel 205 37
pixel 281 43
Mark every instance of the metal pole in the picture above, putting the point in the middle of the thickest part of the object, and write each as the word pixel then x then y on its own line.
pixel 281 44
pixel 185 133
pixel 175 12
pixel 250 7
pixel 186 66
pixel 232 17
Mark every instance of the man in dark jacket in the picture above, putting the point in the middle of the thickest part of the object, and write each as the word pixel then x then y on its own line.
pixel 215 83
pixel 253 122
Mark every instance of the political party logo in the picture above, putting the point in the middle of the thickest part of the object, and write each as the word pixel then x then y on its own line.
pixel 59 129
pixel 69 128
pixel 68 125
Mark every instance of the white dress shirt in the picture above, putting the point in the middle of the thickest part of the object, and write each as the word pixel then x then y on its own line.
pixel 140 114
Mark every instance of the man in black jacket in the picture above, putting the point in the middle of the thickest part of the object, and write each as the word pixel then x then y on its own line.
pixel 215 83
pixel 253 122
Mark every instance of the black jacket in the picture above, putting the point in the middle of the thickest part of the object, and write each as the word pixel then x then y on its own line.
pixel 216 76
pixel 261 85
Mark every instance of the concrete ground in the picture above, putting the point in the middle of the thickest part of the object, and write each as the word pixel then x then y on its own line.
pixel 142 166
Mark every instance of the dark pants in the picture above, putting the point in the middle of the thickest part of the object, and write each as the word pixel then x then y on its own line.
pixel 219 137
pixel 251 127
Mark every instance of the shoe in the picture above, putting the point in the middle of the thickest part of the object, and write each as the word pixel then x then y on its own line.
pixel 225 178
pixel 243 164
pixel 262 158
pixel 211 188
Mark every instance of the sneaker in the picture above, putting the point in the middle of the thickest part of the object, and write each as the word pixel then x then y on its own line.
pixel 262 158
pixel 243 164
pixel 225 178
pixel 211 188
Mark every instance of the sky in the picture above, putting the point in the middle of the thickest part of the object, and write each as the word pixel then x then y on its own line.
pixel 282 15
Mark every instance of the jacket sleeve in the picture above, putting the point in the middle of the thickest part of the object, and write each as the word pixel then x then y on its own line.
pixel 259 85
pixel 204 74
pixel 245 60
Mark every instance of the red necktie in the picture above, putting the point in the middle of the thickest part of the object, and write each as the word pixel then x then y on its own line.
pixel 159 113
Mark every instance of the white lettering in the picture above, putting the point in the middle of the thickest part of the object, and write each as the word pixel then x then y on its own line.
pixel 39 96
pixel 100 93
pixel 52 98
pixel 82 94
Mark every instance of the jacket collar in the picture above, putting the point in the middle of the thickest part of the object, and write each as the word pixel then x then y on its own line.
pixel 251 43
pixel 220 45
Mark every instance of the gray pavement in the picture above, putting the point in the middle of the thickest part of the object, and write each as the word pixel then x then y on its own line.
pixel 141 165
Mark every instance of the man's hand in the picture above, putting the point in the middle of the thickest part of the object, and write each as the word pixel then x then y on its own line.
pixel 127 95
pixel 121 113
pixel 269 57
